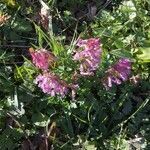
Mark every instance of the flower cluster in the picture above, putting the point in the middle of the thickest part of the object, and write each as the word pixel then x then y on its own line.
pixel 42 58
pixel 51 84
pixel 48 82
pixel 117 73
pixel 89 57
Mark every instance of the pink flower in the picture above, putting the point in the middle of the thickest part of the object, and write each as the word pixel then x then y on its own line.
pixel 117 73
pixel 89 57
pixel 51 84
pixel 42 58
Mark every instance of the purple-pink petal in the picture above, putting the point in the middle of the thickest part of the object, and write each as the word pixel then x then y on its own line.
pixel 42 58
pixel 89 56
pixel 51 84
pixel 117 73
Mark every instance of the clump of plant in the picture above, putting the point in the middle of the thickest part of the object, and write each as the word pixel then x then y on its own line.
pixel 87 92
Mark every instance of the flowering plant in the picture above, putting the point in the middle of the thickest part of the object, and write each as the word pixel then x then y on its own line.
pixel 83 83
pixel 89 57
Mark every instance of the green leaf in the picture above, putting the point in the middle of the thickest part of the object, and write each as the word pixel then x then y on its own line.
pixel 10 3
pixel 89 145
pixel 40 120
pixel 145 56
pixel 121 53
pixel 21 25
pixel 119 44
